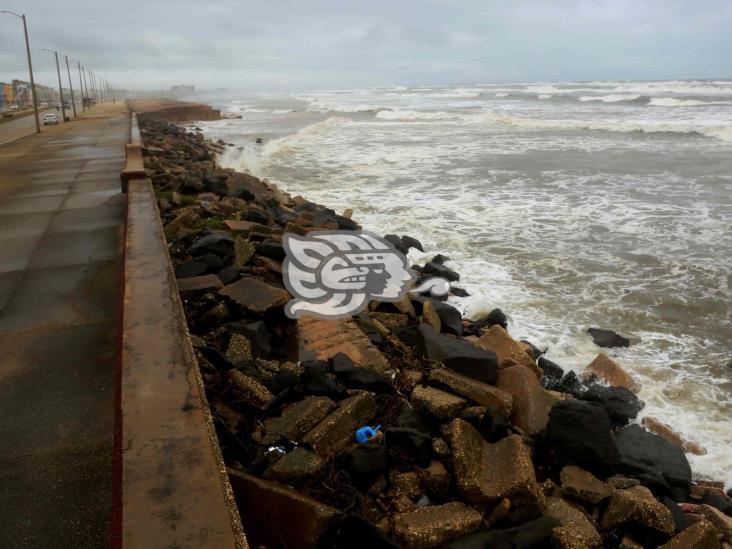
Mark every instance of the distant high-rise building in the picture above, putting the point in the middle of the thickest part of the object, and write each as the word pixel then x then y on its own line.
pixel 182 89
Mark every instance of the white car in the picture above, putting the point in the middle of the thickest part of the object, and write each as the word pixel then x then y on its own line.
pixel 50 118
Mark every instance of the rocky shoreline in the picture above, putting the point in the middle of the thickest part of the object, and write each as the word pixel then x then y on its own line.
pixel 473 439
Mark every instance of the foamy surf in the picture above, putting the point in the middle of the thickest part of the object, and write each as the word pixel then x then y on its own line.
pixel 564 213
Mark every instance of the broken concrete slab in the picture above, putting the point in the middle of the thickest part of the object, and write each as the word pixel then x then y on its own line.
pixel 338 429
pixel 702 535
pixel 204 283
pixel 239 349
pixel 299 464
pixel 436 525
pixel 248 390
pixel 297 420
pixel 531 402
pixel 486 472
pixel 255 295
pixel 275 516
pixel 437 403
pixel 467 387
pixel 509 351
pixel 243 251
pixel 638 506
pixel 573 520
pixel 321 339
pixel 583 485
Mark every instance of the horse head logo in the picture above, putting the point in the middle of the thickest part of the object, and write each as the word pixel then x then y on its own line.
pixel 334 274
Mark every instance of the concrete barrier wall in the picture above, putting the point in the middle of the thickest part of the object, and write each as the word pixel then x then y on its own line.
pixel 174 488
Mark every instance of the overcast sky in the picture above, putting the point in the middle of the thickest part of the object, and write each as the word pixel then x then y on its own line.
pixel 280 44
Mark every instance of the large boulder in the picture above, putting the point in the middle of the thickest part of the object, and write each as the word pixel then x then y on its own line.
pixel 531 402
pixel 607 338
pixel 611 372
pixel 667 432
pixel 219 243
pixel 508 351
pixel 436 269
pixel 657 463
pixel 450 318
pixel 457 354
pixel 636 508
pixel 579 433
pixel 621 404
pixel 487 473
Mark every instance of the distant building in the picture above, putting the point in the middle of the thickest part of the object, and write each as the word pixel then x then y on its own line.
pixel 182 89
pixel 18 92
pixel 7 95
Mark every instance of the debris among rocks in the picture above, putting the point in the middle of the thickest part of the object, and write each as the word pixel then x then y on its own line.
pixel 476 438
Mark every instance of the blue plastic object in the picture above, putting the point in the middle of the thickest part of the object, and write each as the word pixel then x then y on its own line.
pixel 366 433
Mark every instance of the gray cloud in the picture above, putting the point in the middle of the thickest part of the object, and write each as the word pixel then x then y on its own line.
pixel 329 43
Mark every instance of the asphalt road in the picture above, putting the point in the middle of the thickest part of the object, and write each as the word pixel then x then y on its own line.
pixel 26 124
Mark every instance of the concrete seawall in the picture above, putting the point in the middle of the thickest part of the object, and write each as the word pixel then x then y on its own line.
pixel 174 487
pixel 173 111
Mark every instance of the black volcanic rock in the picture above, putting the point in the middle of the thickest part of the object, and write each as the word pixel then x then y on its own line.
pixel 437 269
pixel 190 268
pixel 365 379
pixel 494 425
pixel 411 242
pixel 457 354
pixel 408 446
pixel 365 462
pixel 219 243
pixel 552 373
pixel 579 433
pixel 395 241
pixel 608 338
pixel 621 403
pixel 656 462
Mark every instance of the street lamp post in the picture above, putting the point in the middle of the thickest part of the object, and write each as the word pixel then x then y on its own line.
pixel 81 86
pixel 60 88
pixel 30 67
pixel 71 86
pixel 86 85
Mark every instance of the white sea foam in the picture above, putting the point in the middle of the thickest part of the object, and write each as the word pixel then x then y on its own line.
pixel 555 245
pixel 710 128
pixel 544 96
pixel 674 102
pixel 612 98
pixel 410 114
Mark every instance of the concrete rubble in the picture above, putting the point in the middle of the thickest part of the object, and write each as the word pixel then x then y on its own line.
pixel 469 437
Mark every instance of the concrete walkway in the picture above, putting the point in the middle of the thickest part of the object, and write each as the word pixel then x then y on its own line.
pixel 62 222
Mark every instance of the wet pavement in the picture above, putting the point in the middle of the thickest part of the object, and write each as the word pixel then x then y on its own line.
pixel 61 240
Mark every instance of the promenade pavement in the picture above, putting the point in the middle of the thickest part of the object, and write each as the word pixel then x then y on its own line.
pixel 62 222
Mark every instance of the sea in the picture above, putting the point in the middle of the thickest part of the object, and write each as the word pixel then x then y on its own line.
pixel 568 205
